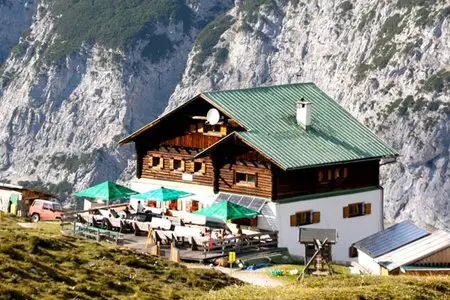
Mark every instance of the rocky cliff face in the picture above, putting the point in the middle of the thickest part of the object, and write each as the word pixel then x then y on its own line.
pixel 67 95
pixel 15 19
pixel 65 106
pixel 387 62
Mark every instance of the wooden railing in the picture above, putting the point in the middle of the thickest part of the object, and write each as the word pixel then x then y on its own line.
pixel 240 243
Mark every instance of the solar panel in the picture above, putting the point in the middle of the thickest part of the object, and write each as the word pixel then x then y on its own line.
pixel 235 198
pixel 223 197
pixel 390 239
pixel 267 211
pixel 245 201
pixel 257 204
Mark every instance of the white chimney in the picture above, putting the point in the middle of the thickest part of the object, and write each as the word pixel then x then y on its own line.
pixel 304 114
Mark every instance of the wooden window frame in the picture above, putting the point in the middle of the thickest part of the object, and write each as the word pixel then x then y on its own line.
pixel 182 167
pixel 363 209
pixel 246 182
pixel 306 217
pixel 202 169
pixel 216 132
pixel 160 164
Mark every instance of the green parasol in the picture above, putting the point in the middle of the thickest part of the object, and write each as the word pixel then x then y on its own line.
pixel 227 211
pixel 162 194
pixel 106 191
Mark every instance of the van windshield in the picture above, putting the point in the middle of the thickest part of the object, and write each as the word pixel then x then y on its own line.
pixel 57 206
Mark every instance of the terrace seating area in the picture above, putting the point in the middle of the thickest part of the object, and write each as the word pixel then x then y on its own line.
pixel 195 237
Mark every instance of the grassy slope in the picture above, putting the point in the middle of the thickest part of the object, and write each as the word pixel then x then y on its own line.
pixel 42 264
pixel 345 287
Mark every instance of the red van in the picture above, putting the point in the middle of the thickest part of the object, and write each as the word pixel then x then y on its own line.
pixel 45 210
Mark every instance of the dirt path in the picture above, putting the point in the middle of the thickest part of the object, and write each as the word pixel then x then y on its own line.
pixel 258 277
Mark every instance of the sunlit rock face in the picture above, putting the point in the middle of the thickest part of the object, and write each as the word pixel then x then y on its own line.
pixel 387 62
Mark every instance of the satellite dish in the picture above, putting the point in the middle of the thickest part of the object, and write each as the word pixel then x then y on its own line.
pixel 213 116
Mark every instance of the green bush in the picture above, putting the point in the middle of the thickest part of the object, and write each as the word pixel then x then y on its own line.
pixel 159 47
pixel 209 37
pixel 405 105
pixel 221 55
pixel 366 18
pixel 384 48
pixel 419 104
pixel 345 7
pixel 111 23
pixel 438 82
pixel 361 71
pixel 422 19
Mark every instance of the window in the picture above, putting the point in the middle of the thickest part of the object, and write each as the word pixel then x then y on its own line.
pixel 194 206
pixel 212 128
pixel 325 176
pixel 353 252
pixel 57 206
pixel 177 164
pixel 305 218
pixel 357 209
pixel 193 128
pixel 199 167
pixel 245 179
pixel 173 205
pixel 48 206
pixel 156 162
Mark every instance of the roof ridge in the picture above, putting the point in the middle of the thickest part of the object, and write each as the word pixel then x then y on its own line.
pixel 260 87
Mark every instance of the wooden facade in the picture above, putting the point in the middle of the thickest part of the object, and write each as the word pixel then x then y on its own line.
pixel 325 179
pixel 234 166
pixel 441 257
pixel 167 172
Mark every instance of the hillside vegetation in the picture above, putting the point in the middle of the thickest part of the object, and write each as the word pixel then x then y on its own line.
pixel 344 287
pixel 114 24
pixel 40 263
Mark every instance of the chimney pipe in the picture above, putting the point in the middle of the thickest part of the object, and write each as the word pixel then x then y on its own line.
pixel 304 114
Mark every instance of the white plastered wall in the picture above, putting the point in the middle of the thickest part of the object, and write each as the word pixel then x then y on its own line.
pixel 368 263
pixel 349 230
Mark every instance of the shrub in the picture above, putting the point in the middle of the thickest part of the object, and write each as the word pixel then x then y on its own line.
pixel 387 52
pixel 438 82
pixel 419 104
pixel 345 7
pixel 209 37
pixel 221 55
pixel 366 18
pixel 159 47
pixel 113 24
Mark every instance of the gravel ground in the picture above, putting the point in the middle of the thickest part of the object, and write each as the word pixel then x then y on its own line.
pixel 259 277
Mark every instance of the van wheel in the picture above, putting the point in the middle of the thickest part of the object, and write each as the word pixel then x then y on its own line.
pixel 35 218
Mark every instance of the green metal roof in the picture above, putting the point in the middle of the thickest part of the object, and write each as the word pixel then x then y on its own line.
pixel 269 114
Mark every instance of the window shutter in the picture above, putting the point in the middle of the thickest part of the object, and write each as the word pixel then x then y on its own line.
pixel 171 164
pixel 316 217
pixel 223 130
pixel 161 162
pixel 193 128
pixel 346 212
pixel 189 167
pixel 203 170
pixel 200 127
pixel 183 165
pixel 345 173
pixel 367 208
pixel 293 220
